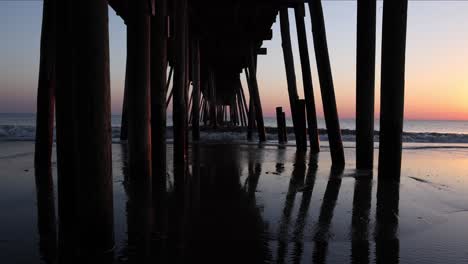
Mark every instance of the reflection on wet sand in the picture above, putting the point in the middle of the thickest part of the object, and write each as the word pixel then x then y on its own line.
pixel 46 221
pixel 321 236
pixel 296 182
pixel 360 220
pixel 304 209
pixel 221 219
pixel 387 243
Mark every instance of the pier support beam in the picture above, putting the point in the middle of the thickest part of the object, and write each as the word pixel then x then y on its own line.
pixel 83 133
pixel 46 92
pixel 307 79
pixel 290 72
pixel 326 84
pixel 179 102
pixel 392 87
pixel 44 136
pixel 365 80
pixel 196 89
pixel 158 111
pixel 255 95
pixel 139 130
pixel 124 120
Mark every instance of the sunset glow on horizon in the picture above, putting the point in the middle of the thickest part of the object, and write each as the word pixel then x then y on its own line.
pixel 436 60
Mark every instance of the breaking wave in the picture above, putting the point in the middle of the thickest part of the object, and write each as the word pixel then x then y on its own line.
pixel 27 133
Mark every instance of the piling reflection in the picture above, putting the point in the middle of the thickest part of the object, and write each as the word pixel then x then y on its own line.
pixel 296 182
pixel 230 228
pixel 387 243
pixel 360 220
pixel 46 221
pixel 304 209
pixel 219 219
pixel 138 208
pixel 326 214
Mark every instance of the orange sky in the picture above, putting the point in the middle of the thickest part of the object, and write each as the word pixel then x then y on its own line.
pixel 436 68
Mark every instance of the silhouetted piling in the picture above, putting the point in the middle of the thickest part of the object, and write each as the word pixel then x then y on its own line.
pixel 159 62
pixel 307 79
pixel 279 121
pixel 255 95
pixel 251 113
pixel 392 87
pixel 179 102
pixel 46 92
pixel 196 89
pixel 289 66
pixel 365 80
pixel 139 136
pixel 301 139
pixel 326 83
pixel 46 220
pixel 124 120
pixel 83 133
pixel 283 125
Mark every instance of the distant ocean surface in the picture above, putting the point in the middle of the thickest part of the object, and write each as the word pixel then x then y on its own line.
pixel 22 127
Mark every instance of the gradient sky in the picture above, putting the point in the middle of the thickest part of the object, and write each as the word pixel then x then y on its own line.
pixel 436 76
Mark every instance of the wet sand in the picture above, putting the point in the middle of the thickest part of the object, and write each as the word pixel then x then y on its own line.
pixel 266 204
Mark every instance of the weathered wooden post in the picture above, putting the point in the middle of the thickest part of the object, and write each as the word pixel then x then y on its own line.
pixel 279 111
pixel 365 79
pixel 179 102
pixel 285 128
pixel 124 120
pixel 139 109
pixel 196 90
pixel 83 133
pixel 289 65
pixel 159 61
pixel 251 113
pixel 46 219
pixel 307 79
pixel 301 141
pixel 212 100
pixel 392 87
pixel 46 94
pixel 255 95
pixel 326 83
pixel 44 136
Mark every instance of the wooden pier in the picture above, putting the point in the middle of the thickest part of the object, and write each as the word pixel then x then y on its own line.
pixel 207 45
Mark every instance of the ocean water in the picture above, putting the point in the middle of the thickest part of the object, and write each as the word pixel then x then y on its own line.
pixel 21 127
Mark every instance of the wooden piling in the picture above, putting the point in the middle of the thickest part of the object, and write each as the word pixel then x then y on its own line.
pixel 179 102
pixel 124 120
pixel 365 79
pixel 279 111
pixel 283 125
pixel 196 90
pixel 139 109
pixel 301 141
pixel 307 79
pixel 46 219
pixel 326 84
pixel 289 66
pixel 392 87
pixel 255 95
pixel 212 100
pixel 159 62
pixel 46 93
pixel 83 133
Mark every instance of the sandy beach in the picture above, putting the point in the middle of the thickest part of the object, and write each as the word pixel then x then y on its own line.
pixel 269 204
